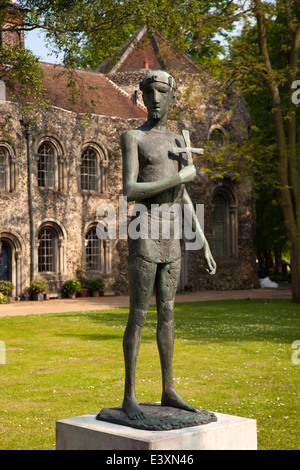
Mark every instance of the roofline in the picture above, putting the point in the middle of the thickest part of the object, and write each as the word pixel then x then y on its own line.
pixel 130 44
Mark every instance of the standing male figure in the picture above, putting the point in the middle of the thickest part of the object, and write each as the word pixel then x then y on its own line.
pixel 153 174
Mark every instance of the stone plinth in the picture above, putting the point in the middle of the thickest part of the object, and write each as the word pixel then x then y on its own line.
pixel 87 433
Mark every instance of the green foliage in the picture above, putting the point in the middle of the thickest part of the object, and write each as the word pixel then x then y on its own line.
pixel 3 299
pixel 96 284
pixel 87 32
pixel 6 287
pixel 21 73
pixel 38 286
pixel 72 285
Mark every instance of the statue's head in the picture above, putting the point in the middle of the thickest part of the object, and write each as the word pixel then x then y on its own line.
pixel 158 76
pixel 158 88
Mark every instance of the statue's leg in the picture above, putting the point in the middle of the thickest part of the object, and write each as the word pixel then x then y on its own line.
pixel 141 281
pixel 166 286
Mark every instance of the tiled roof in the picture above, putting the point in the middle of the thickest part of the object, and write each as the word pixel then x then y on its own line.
pixel 154 50
pixel 97 94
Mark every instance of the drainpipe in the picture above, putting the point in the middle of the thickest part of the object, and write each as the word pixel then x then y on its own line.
pixel 28 135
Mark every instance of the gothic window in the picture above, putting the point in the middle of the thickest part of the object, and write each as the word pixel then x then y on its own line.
pixel 93 168
pixel 89 170
pixel 50 164
pixel 93 250
pixel 97 252
pixel 7 169
pixel 216 138
pixel 46 166
pixel 46 251
pixel 224 222
pixel 50 248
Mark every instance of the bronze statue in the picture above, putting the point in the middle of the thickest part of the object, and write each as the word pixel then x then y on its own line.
pixel 154 174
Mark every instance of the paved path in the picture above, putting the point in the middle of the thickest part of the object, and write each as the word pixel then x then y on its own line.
pixel 110 302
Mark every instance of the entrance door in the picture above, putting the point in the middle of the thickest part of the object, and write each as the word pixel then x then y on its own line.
pixel 4 262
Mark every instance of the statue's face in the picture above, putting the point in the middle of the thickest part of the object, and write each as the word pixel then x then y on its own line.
pixel 158 98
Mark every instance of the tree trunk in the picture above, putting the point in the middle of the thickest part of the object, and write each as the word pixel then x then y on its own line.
pixel 295 272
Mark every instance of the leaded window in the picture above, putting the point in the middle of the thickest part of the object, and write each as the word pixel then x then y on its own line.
pixel 46 251
pixel 89 170
pixel 93 250
pixel 46 166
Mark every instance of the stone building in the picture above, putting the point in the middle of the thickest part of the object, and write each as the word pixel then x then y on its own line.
pixel 55 175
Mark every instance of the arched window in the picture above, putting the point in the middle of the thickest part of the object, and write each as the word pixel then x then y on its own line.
pixel 50 163
pixel 50 248
pixel 89 174
pixel 224 222
pixel 7 169
pixel 47 251
pixel 217 138
pixel 46 166
pixel 93 250
pixel 93 168
pixel 97 252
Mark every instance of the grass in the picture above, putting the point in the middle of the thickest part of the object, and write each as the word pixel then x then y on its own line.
pixel 234 357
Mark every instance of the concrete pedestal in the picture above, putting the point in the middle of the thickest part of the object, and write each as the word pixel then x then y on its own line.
pixel 86 433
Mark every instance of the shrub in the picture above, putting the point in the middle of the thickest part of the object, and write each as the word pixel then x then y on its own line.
pixel 6 287
pixel 38 286
pixel 3 299
pixel 72 285
pixel 96 284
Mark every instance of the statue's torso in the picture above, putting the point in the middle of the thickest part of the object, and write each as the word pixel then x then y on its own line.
pixel 157 161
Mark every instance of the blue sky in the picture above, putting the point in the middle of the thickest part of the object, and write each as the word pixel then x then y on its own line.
pixel 34 41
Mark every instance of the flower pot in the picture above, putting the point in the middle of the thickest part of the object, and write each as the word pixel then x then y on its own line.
pixel 84 292
pixel 72 295
pixel 39 296
pixel 95 293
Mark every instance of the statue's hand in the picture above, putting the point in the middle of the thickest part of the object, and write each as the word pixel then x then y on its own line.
pixel 212 266
pixel 187 174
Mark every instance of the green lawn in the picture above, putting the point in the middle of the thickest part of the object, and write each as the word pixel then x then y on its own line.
pixel 234 357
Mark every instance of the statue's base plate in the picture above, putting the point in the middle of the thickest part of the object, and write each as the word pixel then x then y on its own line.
pixel 88 433
pixel 157 417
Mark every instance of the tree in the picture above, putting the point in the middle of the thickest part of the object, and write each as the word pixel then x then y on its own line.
pixel 264 61
pixel 100 27
pixel 19 68
pixel 285 120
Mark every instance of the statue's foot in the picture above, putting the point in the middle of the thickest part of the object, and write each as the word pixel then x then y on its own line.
pixel 172 398
pixel 131 408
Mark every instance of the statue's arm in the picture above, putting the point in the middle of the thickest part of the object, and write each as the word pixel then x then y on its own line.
pixel 135 190
pixel 196 227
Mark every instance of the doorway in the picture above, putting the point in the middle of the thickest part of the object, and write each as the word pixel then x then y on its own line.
pixel 5 262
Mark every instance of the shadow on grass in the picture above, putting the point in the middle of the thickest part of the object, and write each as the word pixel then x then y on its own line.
pixel 273 320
